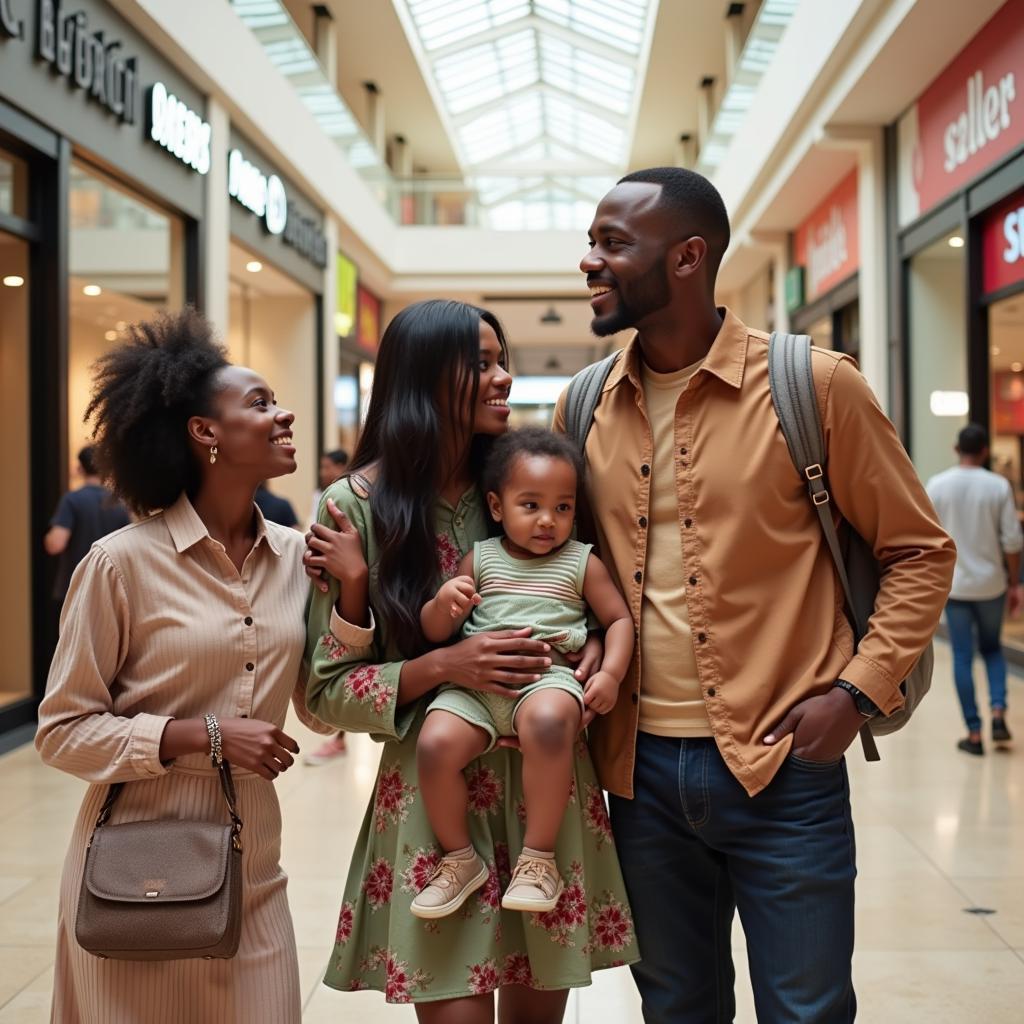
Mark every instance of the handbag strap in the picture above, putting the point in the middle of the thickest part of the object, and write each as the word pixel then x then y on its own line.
pixel 227 785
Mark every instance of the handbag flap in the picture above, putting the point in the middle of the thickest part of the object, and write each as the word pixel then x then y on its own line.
pixel 158 861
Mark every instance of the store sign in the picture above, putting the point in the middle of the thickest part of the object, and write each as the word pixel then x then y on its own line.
pixel 1002 244
pixel 265 196
pixel 368 331
pixel 10 24
pixel 345 278
pixel 181 131
pixel 87 60
pixel 259 193
pixel 967 119
pixel 828 243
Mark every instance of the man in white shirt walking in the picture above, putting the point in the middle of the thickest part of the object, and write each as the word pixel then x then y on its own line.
pixel 977 509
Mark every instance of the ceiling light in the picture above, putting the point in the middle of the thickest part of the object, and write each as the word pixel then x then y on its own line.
pixel 949 403
pixel 14 281
pixel 121 325
pixel 956 242
pixel 110 335
pixel 996 350
pixel 92 290
pixel 1017 367
pixel 254 266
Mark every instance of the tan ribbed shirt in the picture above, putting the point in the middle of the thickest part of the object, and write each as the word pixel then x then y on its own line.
pixel 159 624
pixel 671 703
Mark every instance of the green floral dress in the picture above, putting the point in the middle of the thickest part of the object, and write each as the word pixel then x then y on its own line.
pixel 379 944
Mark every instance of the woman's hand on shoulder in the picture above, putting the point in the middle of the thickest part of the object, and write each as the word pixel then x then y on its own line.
pixel 338 551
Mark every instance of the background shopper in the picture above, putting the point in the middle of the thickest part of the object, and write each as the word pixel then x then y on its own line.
pixel 977 507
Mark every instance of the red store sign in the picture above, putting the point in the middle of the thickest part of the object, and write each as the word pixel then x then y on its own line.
pixel 1002 244
pixel 967 119
pixel 827 244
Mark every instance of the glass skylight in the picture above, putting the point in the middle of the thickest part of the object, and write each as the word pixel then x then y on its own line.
pixel 540 90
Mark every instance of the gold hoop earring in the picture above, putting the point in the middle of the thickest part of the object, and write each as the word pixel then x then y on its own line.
pixel 213 455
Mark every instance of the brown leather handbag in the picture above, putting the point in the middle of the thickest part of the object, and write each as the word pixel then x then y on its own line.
pixel 162 890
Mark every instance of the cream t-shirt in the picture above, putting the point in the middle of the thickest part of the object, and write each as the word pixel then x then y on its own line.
pixel 671 703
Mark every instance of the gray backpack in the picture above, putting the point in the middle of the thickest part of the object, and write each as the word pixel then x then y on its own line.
pixel 795 401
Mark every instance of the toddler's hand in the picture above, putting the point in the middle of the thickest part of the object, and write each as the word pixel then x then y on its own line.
pixel 601 692
pixel 458 596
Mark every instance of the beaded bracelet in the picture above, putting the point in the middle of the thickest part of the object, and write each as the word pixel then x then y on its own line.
pixel 216 751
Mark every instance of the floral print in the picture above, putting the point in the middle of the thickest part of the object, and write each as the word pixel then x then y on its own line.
pixel 378 884
pixel 422 862
pixel 448 557
pixel 611 924
pixel 595 814
pixel 392 799
pixel 486 790
pixel 367 686
pixel 399 981
pixel 378 943
pixel 569 914
pixel 345 921
pixel 484 977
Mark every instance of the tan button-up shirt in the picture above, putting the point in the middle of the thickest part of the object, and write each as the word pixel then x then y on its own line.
pixel 764 601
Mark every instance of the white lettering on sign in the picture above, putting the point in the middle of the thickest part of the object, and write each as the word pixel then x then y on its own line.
pixel 827 249
pixel 265 196
pixel 1013 231
pixel 180 131
pixel 987 116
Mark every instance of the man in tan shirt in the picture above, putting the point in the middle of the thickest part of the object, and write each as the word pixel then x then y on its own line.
pixel 724 753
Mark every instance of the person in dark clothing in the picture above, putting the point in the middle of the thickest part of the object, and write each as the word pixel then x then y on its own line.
pixel 82 517
pixel 275 508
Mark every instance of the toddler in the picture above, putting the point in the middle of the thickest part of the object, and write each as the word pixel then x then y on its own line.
pixel 534 575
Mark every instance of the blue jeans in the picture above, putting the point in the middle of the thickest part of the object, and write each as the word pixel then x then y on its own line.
pixel 694 848
pixel 985 617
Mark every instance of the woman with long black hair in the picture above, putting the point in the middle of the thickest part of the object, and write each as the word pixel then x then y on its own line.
pixel 414 508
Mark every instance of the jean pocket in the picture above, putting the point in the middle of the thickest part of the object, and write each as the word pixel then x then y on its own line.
pixel 813 766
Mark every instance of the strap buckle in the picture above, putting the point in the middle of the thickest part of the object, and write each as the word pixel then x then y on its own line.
pixel 814 472
pixel 820 497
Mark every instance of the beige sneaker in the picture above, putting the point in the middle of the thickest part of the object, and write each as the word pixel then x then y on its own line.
pixel 456 878
pixel 536 884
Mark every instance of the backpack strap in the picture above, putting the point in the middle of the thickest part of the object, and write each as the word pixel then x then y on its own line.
pixel 791 379
pixel 582 396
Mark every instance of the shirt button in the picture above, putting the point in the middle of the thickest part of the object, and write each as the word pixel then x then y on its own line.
pixel 682 451
pixel 643 522
pixel 249 666
pixel 248 620
pixel 693 581
pixel 711 692
pixel 701 637
pixel 687 523
pixel 635 698
pixel 458 520
pixel 645 469
pixel 638 576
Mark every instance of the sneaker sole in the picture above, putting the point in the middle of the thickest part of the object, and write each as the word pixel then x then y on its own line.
pixel 533 906
pixel 432 913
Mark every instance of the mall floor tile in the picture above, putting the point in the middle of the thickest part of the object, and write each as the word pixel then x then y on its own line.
pixel 940 908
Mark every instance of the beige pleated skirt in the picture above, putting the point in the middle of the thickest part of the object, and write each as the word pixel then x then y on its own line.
pixel 260 985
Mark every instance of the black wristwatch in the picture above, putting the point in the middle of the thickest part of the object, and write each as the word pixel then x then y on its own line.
pixel 865 705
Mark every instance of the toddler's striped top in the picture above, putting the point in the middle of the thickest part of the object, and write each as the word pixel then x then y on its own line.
pixel 545 593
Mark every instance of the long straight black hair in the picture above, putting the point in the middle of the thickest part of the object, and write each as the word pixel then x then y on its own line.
pixel 429 349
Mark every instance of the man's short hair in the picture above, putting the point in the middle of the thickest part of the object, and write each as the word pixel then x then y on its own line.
pixel 972 440
pixel 337 455
pixel 694 204
pixel 87 460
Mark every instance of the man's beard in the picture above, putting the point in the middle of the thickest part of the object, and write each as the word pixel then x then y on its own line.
pixel 647 295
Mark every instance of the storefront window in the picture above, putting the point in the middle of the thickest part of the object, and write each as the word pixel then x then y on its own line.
pixel 273 330
pixel 821 332
pixel 13 186
pixel 938 353
pixel 127 262
pixel 15 526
